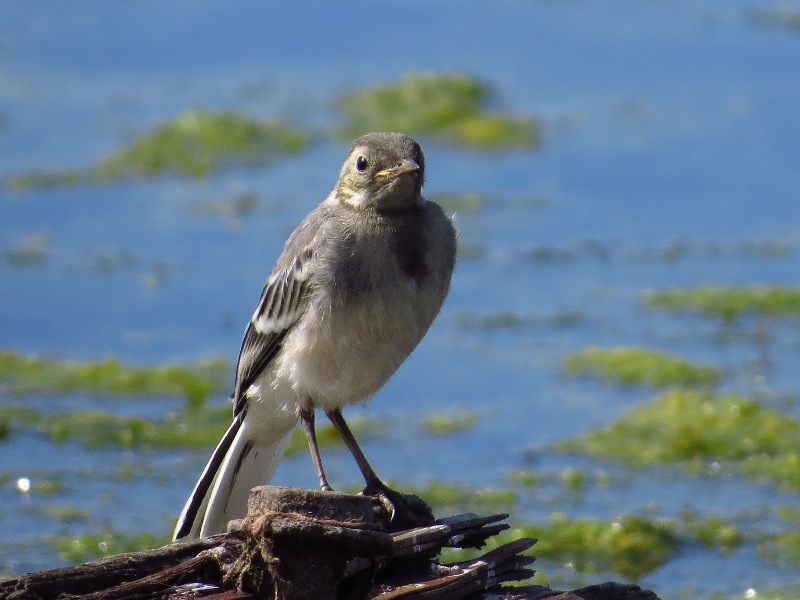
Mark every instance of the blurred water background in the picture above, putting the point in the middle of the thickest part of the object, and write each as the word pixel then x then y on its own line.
pixel 671 157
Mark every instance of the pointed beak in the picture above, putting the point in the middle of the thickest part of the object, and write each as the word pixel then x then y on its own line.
pixel 407 166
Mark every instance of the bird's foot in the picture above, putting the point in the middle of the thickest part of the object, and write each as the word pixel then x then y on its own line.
pixel 397 511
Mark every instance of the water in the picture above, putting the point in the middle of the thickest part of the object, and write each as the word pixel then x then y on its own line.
pixel 671 131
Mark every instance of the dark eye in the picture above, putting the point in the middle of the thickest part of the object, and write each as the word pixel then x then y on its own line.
pixel 361 163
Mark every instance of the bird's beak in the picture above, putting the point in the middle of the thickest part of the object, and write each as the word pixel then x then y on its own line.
pixel 407 166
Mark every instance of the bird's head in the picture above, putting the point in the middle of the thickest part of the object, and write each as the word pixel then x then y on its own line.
pixel 382 172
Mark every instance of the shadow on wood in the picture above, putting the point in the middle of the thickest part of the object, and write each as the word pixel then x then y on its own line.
pixel 299 544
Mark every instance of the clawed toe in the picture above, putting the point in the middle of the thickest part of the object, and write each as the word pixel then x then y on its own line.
pixel 397 511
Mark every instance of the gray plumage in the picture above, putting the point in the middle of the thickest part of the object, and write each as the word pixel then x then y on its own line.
pixel 356 288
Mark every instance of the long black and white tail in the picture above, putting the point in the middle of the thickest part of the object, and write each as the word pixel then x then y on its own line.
pixel 241 461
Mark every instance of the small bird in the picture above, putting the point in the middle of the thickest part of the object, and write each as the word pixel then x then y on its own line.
pixel 356 288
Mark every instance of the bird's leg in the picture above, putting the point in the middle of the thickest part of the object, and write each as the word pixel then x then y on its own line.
pixel 306 416
pixel 404 511
pixel 341 426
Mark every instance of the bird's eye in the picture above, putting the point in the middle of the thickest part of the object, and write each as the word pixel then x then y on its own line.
pixel 361 163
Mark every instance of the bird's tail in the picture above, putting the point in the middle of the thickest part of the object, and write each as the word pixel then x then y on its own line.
pixel 240 462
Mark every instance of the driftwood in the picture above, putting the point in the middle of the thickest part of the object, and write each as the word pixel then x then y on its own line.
pixel 300 544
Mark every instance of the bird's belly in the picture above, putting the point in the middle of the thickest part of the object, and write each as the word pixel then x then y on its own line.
pixel 343 357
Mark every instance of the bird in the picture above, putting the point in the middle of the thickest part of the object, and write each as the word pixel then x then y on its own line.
pixel 356 288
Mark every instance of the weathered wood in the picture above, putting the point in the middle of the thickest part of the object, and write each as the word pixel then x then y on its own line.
pixel 461 579
pixel 297 544
pixel 107 573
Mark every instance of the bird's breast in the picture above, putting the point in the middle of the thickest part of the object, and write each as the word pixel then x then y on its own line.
pixel 374 297
pixel 345 351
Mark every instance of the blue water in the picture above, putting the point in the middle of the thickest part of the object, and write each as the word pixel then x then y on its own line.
pixel 667 126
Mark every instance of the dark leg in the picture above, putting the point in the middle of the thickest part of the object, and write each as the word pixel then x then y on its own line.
pixel 306 416
pixel 404 511
pixel 373 482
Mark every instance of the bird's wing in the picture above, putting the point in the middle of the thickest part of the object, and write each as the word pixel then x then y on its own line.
pixel 284 299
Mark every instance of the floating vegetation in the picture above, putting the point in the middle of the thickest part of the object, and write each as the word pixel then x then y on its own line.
pixel 193 428
pixel 549 254
pixel 524 479
pixel 95 428
pixel 771 249
pixel 194 144
pixel 697 429
pixel 729 303
pixel 711 532
pixel 571 479
pixel 14 417
pixel 782 546
pixel 454 497
pixel 109 262
pixel 82 548
pixel 778 17
pixel 630 546
pixel 65 514
pixel 448 108
pixel 458 203
pixel 505 319
pixel 40 487
pixel 441 425
pixel 634 365
pixel 327 436
pixel 24 375
pixel 468 250
pixel 34 251
pixel 574 479
pixel 232 210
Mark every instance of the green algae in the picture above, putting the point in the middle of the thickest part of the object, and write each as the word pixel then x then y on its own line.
pixel 630 546
pixel 781 547
pixel 46 487
pixel 789 514
pixel 524 479
pixel 711 532
pixel 788 592
pixel 634 365
pixel 33 251
pixel 574 479
pixel 95 428
pixel 729 303
pixel 65 514
pixel 454 497
pixel 507 319
pixel 25 375
pixel 469 250
pixel 696 429
pixel 363 428
pixel 784 17
pixel 14 417
pixel 193 144
pixel 458 202
pixel 81 548
pixel 194 428
pixel 448 108
pixel 442 424
pixel 231 210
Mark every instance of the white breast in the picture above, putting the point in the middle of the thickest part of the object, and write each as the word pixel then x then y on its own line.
pixel 343 356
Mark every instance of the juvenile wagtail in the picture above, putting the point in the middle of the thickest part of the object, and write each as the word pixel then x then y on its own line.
pixel 356 288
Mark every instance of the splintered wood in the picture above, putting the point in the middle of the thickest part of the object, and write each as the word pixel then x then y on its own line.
pixel 298 544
